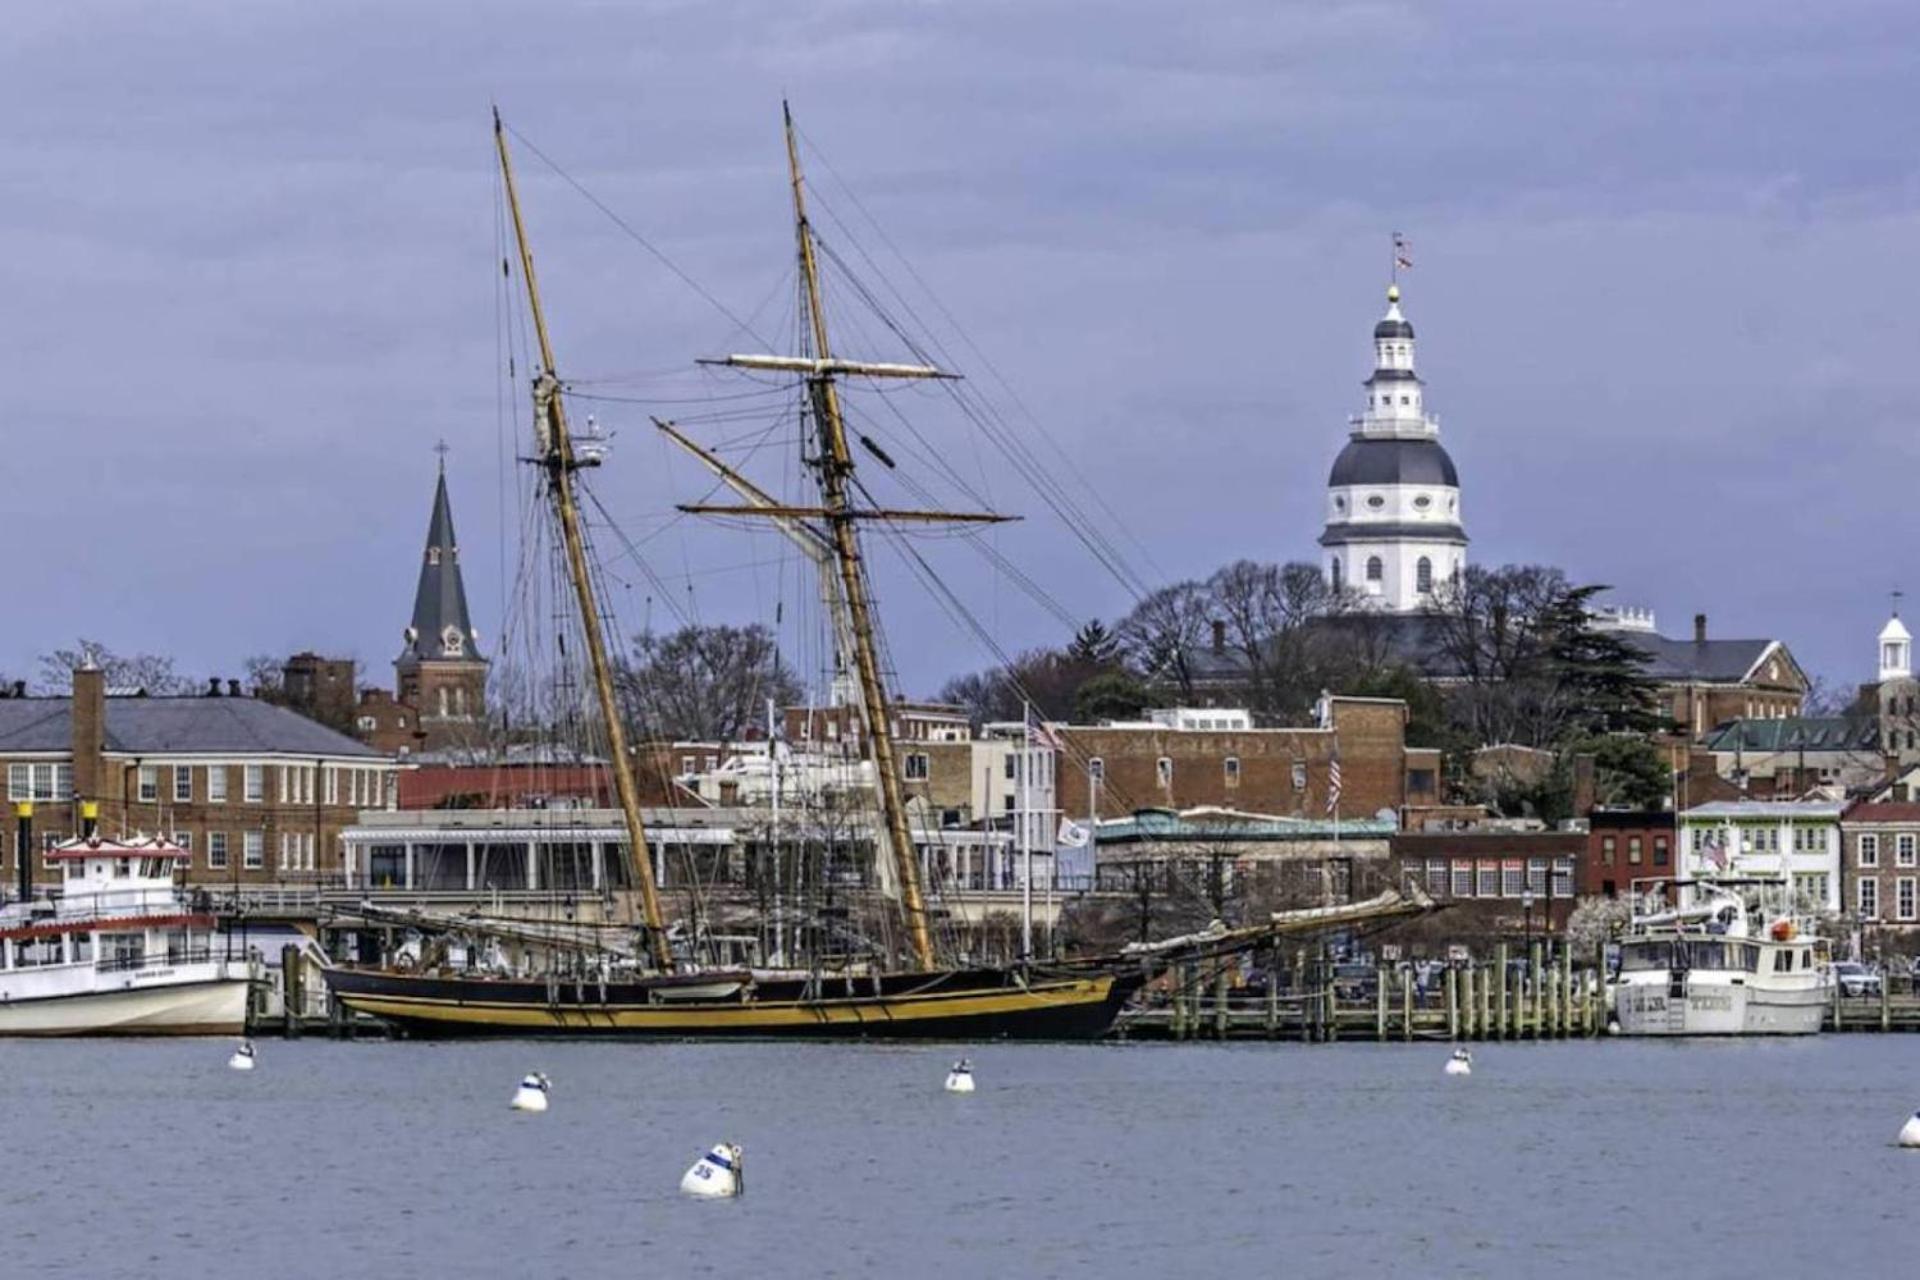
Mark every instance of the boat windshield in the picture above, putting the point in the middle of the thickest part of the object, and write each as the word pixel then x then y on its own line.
pixel 1646 955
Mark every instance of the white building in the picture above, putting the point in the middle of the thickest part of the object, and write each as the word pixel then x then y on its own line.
pixel 1393 499
pixel 1797 840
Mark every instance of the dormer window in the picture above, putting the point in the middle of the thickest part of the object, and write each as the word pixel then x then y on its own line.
pixel 433 555
pixel 1423 502
pixel 1376 502
pixel 452 642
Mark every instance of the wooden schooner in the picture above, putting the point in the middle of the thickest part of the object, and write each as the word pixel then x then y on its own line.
pixel 649 993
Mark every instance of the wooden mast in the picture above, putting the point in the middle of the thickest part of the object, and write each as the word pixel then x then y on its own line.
pixel 556 456
pixel 835 468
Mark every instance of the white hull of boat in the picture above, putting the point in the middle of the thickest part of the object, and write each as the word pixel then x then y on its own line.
pixel 212 1006
pixel 1718 1007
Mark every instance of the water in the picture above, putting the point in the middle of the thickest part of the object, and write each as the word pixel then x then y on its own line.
pixel 1619 1158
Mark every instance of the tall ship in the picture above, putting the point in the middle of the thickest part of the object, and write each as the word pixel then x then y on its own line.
pixel 643 981
pixel 1722 964
pixel 115 948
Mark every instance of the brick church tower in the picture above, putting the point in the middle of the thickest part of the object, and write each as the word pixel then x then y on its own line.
pixel 441 672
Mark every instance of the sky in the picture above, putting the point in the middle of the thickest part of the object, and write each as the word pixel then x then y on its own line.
pixel 1666 257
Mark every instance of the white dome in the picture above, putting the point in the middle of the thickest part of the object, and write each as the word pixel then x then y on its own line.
pixel 1895 630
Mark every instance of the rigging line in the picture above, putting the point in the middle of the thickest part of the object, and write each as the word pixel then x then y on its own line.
pixel 633 553
pixel 965 337
pixel 639 239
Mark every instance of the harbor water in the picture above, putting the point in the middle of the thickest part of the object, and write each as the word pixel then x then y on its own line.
pixel 1619 1158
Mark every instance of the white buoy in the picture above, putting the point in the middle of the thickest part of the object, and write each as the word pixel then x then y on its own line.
pixel 718 1173
pixel 532 1093
pixel 242 1059
pixel 960 1079
pixel 1461 1063
pixel 1910 1131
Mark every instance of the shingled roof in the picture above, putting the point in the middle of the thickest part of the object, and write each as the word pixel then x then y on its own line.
pixel 175 726
pixel 441 629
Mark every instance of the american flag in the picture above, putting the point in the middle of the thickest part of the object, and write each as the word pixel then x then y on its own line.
pixel 1333 784
pixel 1039 735
pixel 1715 851
pixel 1402 252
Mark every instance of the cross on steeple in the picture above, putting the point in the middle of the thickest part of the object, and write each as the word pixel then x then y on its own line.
pixel 443 449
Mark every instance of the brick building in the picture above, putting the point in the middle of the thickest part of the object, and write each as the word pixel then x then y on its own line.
pixel 255 792
pixel 320 689
pixel 1493 881
pixel 1880 865
pixel 1624 845
pixel 1112 770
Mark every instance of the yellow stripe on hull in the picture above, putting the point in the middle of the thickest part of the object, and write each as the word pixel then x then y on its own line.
pixel 745 1018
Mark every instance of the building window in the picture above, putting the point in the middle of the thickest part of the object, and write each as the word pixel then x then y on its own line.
pixel 1513 875
pixel 216 851
pixel 1537 874
pixel 1437 877
pixel 1375 570
pixel 1903 849
pixel 216 784
pixel 1867 898
pixel 184 839
pixel 1903 897
pixel 1869 851
pixel 1423 575
pixel 1333 572
pixel 255 784
pixel 1633 851
pixel 1299 775
pixel 1659 851
pixel 149 783
pixel 1606 850
pixel 1163 770
pixel 1463 879
pixel 916 766
pixel 182 785
pixel 1233 771
pixel 1008 762
pixel 253 850
pixel 1486 882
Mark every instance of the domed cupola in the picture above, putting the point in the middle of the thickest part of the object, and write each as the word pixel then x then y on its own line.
pixel 1896 650
pixel 1393 533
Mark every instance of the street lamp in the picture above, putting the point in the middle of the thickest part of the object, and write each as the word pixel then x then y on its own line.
pixel 1526 905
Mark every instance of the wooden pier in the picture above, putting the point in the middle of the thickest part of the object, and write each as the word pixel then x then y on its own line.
pixel 1531 997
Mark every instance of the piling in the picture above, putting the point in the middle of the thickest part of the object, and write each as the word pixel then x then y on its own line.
pixel 1220 1003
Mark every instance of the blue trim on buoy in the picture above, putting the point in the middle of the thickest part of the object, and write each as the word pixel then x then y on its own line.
pixel 719 1161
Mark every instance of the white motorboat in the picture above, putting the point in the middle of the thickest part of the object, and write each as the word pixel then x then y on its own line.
pixel 116 948
pixel 1722 966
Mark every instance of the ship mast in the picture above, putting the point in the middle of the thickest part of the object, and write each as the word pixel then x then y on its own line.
pixel 836 511
pixel 555 454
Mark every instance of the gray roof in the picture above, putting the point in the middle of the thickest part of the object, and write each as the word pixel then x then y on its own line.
pixel 1392 375
pixel 1393 329
pixel 1697 661
pixel 440 601
pixel 160 726
pixel 1389 461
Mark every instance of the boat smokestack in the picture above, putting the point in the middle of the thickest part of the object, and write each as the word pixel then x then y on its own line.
pixel 89 818
pixel 23 848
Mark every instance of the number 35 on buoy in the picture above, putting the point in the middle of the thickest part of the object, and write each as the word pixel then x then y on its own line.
pixel 720 1172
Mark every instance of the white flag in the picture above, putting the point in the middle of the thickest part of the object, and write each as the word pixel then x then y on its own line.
pixel 1073 835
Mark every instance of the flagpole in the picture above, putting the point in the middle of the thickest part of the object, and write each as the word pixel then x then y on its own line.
pixel 1026 832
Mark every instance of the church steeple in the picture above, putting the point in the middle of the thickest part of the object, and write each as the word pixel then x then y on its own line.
pixel 441 672
pixel 441 629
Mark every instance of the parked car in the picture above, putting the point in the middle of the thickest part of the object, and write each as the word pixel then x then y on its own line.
pixel 1856 979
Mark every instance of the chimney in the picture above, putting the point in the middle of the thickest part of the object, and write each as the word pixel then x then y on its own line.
pixel 19 688
pixel 23 813
pixel 1582 784
pixel 233 688
pixel 89 718
pixel 1219 636
pixel 213 686
pixel 1699 628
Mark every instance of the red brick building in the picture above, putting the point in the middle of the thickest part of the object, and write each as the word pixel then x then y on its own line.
pixel 1624 845
pixel 1495 882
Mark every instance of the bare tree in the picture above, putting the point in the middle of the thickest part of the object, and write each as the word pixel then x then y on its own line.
pixel 148 671
pixel 1162 636
pixel 1496 634
pixel 704 682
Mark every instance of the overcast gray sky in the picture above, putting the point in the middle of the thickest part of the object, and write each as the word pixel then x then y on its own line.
pixel 1666 267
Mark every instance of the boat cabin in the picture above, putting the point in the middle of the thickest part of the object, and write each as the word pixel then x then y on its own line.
pixel 117 906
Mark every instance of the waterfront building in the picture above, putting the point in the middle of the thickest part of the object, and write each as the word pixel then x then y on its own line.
pixel 1215 854
pixel 1795 840
pixel 1624 845
pixel 1881 864
pixel 1495 880
pixel 1393 532
pixel 253 792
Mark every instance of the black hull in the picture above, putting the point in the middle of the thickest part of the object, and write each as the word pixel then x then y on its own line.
pixel 959 1005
